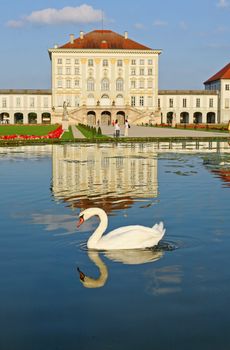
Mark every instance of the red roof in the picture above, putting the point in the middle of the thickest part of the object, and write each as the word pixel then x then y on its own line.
pixel 104 39
pixel 224 73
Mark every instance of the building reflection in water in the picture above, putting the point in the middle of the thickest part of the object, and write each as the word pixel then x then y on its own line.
pixel 113 176
pixel 108 176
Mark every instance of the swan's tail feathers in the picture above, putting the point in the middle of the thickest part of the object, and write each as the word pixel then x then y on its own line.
pixel 160 228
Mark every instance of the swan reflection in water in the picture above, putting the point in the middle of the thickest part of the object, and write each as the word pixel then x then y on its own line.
pixel 129 257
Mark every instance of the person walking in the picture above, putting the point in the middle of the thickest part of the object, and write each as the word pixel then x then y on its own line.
pixel 126 127
pixel 117 128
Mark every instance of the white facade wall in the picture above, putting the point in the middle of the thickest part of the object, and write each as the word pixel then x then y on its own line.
pixel 225 100
pixel 189 104
pixel 25 102
pixel 139 80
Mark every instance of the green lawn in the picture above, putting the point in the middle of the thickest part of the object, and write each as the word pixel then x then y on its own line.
pixel 89 134
pixel 67 135
pixel 38 130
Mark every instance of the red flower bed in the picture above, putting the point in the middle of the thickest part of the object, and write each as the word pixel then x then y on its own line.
pixel 55 134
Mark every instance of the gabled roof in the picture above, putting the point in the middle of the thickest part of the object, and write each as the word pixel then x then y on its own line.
pixel 104 39
pixel 224 73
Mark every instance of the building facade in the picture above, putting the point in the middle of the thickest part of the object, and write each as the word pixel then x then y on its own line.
pixel 25 106
pixel 102 76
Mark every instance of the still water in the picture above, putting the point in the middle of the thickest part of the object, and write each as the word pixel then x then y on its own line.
pixel 175 296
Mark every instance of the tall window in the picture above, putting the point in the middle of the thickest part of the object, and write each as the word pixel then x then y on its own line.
pixel 45 102
pixel 150 101
pixel 32 102
pixel 76 101
pixel 105 63
pixel 226 103
pixel 133 71
pixel 133 62
pixel 142 71
pixel 67 61
pixel 184 102
pixel 141 84
pixel 227 87
pixel 68 84
pixel 133 84
pixel 59 71
pixel 198 102
pixel 150 62
pixel 76 70
pixel 171 103
pixel 105 85
pixel 119 85
pixel 90 84
pixel 4 104
pixel 159 103
pixel 59 83
pixel 18 102
pixel 60 101
pixel 133 101
pixel 141 101
pixel 59 61
pixel 150 84
pixel 142 62
pixel 76 61
pixel 150 71
pixel 211 102
pixel 76 83
pixel 119 63
pixel 68 70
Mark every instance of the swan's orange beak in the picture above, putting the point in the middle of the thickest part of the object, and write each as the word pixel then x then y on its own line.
pixel 80 221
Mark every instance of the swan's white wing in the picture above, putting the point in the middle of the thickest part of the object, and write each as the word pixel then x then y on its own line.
pixel 130 237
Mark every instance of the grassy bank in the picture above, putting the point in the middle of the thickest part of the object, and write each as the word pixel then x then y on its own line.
pixel 37 130
pixel 91 136
pixel 91 132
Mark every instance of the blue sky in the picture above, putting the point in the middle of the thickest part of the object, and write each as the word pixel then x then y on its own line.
pixel 193 34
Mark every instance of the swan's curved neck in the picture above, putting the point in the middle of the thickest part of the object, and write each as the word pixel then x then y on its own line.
pixel 100 229
pixel 101 280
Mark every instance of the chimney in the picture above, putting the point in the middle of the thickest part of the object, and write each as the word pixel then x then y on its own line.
pixel 81 34
pixel 71 38
pixel 126 35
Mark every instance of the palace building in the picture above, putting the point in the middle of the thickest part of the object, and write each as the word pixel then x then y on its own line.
pixel 102 76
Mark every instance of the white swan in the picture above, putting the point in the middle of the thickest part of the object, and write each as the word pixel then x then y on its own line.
pixel 126 237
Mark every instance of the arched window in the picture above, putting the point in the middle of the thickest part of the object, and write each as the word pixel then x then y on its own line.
pixel 90 84
pixel 105 96
pixel 119 85
pixel 105 85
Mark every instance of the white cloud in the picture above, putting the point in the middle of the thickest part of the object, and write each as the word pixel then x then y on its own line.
pixel 15 24
pixel 223 3
pixel 159 23
pixel 139 25
pixel 51 16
